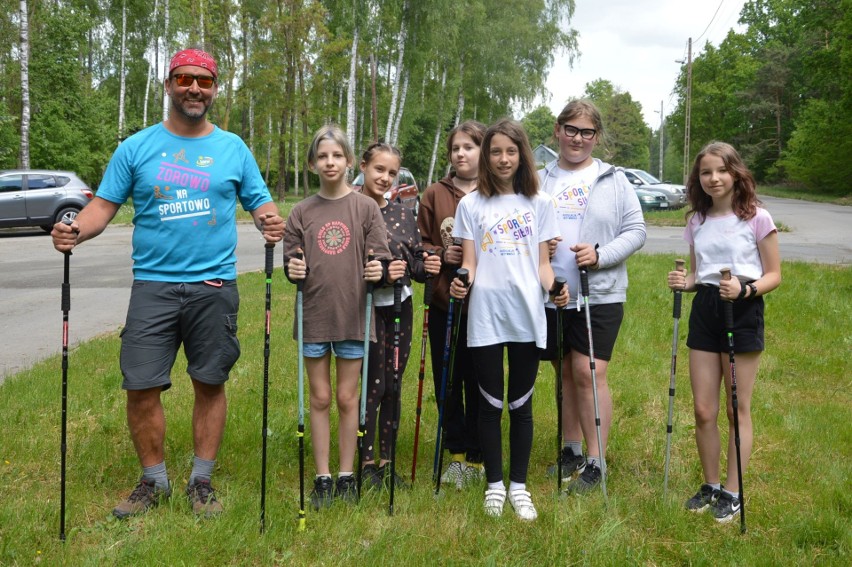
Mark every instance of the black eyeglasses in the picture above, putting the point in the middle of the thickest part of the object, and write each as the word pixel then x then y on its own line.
pixel 186 80
pixel 585 133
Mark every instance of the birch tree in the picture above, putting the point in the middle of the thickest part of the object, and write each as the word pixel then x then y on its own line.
pixel 24 158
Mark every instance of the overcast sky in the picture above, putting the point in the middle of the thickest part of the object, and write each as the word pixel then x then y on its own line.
pixel 634 45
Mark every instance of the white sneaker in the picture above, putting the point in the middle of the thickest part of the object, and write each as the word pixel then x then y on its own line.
pixel 453 474
pixel 495 498
pixel 522 503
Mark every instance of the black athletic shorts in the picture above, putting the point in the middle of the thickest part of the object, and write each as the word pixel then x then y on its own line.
pixel 707 323
pixel 162 315
pixel 606 321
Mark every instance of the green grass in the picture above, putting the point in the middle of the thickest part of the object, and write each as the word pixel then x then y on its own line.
pixel 799 502
pixel 796 192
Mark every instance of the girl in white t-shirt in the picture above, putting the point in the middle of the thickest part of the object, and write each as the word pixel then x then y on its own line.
pixel 727 229
pixel 505 226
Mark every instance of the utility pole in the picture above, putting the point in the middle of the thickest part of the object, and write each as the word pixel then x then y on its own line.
pixel 662 130
pixel 687 125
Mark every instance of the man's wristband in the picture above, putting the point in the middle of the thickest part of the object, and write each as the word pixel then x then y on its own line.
pixel 743 290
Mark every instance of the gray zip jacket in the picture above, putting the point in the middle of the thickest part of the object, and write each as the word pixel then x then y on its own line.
pixel 614 221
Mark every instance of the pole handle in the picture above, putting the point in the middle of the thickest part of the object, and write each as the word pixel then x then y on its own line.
pixel 464 275
pixel 427 287
pixel 269 256
pixel 678 294
pixel 558 283
pixel 728 307
pixel 299 255
pixel 584 282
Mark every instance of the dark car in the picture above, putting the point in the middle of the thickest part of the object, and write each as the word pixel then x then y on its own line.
pixel 404 189
pixel 640 179
pixel 38 197
pixel 652 200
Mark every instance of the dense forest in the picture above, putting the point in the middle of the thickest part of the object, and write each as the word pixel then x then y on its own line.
pixel 78 76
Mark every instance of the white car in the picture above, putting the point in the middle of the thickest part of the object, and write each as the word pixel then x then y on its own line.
pixel 676 194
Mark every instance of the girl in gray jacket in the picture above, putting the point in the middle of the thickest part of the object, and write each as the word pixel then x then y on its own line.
pixel 601 225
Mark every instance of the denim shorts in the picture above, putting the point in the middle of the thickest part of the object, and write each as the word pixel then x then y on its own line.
pixel 348 349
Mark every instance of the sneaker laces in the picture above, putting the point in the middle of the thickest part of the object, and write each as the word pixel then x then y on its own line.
pixel 145 490
pixel 204 492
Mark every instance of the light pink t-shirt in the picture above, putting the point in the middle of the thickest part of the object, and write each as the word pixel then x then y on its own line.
pixel 727 242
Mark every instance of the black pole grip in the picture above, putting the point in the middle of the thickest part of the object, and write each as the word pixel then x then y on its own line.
pixel 678 298
pixel 270 256
pixel 397 296
pixel 727 306
pixel 558 283
pixel 464 275
pixel 427 287
pixel 584 281
pixel 299 255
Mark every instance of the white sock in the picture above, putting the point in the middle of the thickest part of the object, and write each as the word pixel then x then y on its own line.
pixel 496 485
pixel 715 485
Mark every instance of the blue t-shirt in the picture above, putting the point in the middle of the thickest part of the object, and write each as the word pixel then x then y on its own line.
pixel 184 193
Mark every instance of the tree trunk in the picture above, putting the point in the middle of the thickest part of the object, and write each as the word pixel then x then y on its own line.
pixel 24 158
pixel 395 133
pixel 166 55
pixel 438 129
pixel 122 79
pixel 350 91
pixel 375 104
pixel 268 148
pixel 460 107
pixel 304 115
pixel 394 86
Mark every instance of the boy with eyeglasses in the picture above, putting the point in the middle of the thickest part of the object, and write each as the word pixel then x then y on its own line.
pixel 184 176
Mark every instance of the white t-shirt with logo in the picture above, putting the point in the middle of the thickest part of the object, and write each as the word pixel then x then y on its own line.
pixel 506 302
pixel 569 191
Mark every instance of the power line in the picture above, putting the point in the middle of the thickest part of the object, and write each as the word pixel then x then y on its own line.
pixel 711 21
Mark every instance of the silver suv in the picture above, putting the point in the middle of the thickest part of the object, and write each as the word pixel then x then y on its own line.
pixel 640 179
pixel 38 197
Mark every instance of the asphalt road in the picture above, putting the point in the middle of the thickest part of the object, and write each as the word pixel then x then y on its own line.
pixel 31 274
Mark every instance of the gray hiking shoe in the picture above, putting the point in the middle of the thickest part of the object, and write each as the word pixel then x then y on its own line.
pixel 144 497
pixel 203 499
pixel 473 474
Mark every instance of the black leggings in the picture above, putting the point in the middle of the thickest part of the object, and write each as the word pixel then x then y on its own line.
pixel 461 411
pixel 523 367
pixel 380 377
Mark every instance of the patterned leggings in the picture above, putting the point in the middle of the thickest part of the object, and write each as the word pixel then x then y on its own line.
pixel 380 376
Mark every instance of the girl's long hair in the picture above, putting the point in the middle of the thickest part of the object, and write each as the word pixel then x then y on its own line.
pixel 526 179
pixel 744 199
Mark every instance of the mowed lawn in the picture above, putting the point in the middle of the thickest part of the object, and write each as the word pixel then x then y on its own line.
pixel 798 497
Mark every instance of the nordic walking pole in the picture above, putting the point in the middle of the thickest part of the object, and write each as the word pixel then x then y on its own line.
pixel 397 311
pixel 300 432
pixel 678 298
pixel 584 285
pixel 269 256
pixel 362 419
pixel 427 300
pixel 63 448
pixel 728 307
pixel 447 383
pixel 558 284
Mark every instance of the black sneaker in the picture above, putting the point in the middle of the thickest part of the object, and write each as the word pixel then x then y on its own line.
pixel 399 482
pixel 203 499
pixel 323 493
pixel 572 465
pixel 144 497
pixel 588 480
pixel 704 498
pixel 346 488
pixel 725 508
pixel 371 477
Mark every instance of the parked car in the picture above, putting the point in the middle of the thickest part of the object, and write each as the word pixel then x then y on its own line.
pixel 652 200
pixel 676 194
pixel 38 197
pixel 404 189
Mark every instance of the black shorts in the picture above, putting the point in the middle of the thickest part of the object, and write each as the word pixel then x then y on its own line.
pixel 202 316
pixel 606 322
pixel 707 323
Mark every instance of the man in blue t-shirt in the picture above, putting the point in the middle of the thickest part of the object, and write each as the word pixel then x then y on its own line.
pixel 184 176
